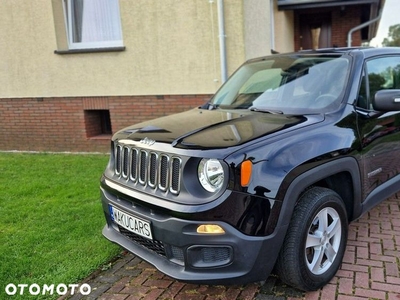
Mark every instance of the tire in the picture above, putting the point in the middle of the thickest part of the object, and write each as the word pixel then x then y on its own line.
pixel 313 250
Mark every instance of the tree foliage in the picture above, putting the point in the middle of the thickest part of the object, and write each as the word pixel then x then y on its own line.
pixel 393 39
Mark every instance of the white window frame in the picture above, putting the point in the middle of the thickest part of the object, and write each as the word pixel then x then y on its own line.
pixel 69 25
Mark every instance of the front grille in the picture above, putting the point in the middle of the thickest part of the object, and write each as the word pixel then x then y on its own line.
pixel 134 162
pixel 149 168
pixel 163 178
pixel 153 169
pixel 153 245
pixel 143 168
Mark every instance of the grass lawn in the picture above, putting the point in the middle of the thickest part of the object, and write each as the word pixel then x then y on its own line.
pixel 50 220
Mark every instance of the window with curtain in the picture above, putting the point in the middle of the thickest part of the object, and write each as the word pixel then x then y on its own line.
pixel 93 24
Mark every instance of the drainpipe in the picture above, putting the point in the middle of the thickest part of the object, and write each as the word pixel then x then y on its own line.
pixel 362 26
pixel 222 45
pixel 272 24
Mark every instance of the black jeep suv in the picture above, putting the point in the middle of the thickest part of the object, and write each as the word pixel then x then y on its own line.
pixel 268 173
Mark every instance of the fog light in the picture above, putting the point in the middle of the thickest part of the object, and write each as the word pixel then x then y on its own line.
pixel 210 228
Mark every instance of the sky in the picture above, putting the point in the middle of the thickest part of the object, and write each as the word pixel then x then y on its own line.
pixel 390 17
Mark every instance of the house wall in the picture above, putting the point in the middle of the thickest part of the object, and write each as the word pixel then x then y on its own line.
pixel 170 45
pixel 60 123
pixel 258 28
pixel 342 22
pixel 284 30
pixel 171 63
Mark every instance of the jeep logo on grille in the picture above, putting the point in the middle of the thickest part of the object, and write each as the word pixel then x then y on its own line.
pixel 147 141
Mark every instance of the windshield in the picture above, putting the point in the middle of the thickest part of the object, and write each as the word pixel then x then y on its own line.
pixel 286 84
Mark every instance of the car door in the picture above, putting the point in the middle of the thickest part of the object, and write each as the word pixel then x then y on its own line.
pixel 379 131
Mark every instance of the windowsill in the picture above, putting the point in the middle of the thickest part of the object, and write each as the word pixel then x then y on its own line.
pixel 90 50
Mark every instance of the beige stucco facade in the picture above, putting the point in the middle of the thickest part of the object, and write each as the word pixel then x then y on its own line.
pixel 283 30
pixel 171 47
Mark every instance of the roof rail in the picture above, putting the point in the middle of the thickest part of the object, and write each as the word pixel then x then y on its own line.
pixel 334 49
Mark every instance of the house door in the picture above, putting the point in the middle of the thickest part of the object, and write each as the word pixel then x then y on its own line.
pixel 315 31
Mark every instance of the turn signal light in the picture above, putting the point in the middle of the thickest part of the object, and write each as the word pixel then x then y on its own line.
pixel 245 172
pixel 210 228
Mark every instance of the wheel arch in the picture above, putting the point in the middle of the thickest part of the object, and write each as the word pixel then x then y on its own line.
pixel 341 175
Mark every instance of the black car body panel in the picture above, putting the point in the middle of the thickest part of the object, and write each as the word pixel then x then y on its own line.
pixel 204 124
pixel 295 135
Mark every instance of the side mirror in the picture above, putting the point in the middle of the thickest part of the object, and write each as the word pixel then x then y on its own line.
pixel 387 100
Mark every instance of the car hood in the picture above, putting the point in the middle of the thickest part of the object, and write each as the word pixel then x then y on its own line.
pixel 206 129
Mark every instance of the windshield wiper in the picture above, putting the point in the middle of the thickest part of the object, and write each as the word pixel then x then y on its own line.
pixel 266 110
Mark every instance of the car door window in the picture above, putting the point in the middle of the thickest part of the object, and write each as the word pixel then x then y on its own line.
pixel 379 74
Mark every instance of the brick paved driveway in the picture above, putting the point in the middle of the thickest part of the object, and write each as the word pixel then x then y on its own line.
pixel 370 270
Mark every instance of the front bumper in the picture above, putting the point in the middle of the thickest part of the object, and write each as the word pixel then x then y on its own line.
pixel 180 252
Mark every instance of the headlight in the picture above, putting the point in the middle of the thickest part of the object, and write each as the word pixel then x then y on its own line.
pixel 211 174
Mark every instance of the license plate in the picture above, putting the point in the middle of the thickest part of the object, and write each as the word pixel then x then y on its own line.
pixel 131 223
